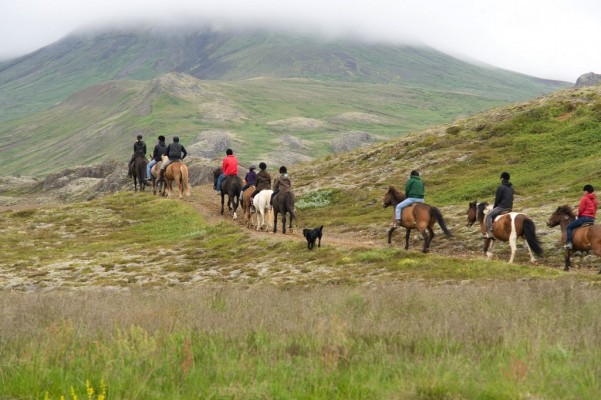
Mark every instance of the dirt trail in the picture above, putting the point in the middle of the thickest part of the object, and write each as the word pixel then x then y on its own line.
pixel 208 204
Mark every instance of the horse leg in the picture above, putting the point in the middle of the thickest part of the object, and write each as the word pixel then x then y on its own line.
pixel 431 235
pixel 532 259
pixel 407 235
pixel 275 221
pixel 284 222
pixel 568 262
pixel 487 247
pixel 222 201
pixel 236 200
pixel 512 245
pixel 426 241
pixel 390 234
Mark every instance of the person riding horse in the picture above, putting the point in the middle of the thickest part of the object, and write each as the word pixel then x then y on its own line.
pixel 282 183
pixel 139 151
pixel 229 167
pixel 159 149
pixel 414 192
pixel 503 202
pixel 250 178
pixel 176 152
pixel 263 182
pixel 587 211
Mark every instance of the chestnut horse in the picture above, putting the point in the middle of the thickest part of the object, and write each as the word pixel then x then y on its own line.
pixel 584 238
pixel 506 228
pixel 418 216
pixel 246 203
pixel 177 171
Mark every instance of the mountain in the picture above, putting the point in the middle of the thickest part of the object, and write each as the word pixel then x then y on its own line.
pixel 33 82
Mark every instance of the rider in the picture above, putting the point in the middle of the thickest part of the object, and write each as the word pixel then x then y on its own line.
pixel 250 178
pixel 159 149
pixel 587 210
pixel 229 167
pixel 176 152
pixel 281 183
pixel 139 150
pixel 263 182
pixel 503 201
pixel 414 193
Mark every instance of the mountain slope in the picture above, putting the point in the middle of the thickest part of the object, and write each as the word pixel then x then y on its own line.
pixel 47 76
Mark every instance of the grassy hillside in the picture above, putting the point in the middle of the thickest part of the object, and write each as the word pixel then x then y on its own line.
pixel 281 121
pixel 38 80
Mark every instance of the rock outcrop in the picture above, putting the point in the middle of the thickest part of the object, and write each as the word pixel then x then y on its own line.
pixel 590 79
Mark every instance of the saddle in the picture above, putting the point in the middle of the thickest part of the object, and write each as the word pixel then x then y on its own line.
pixel 585 224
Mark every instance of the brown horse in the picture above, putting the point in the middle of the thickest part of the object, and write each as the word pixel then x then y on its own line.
pixel 246 202
pixel 176 172
pixel 139 172
pixel 584 238
pixel 506 228
pixel 418 216
pixel 283 203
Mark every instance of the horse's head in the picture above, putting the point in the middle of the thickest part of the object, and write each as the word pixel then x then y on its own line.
pixel 392 197
pixel 562 214
pixel 472 213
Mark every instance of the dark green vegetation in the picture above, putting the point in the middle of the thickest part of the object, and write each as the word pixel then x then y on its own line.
pixel 82 100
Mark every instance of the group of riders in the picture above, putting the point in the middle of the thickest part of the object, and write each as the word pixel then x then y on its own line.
pixel 587 209
pixel 176 152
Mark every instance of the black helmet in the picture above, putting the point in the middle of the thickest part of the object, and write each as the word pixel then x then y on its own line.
pixel 229 152
pixel 140 136
pixel 505 175
pixel 589 188
pixel 176 138
pixel 162 138
pixel 263 166
pixel 283 170
pixel 415 173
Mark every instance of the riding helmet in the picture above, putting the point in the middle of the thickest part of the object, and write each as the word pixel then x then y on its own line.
pixel 140 136
pixel 263 166
pixel 252 167
pixel 415 173
pixel 161 138
pixel 176 138
pixel 505 175
pixel 589 188
pixel 283 170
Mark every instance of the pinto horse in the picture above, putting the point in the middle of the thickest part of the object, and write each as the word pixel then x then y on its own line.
pixel 418 216
pixel 283 203
pixel 177 171
pixel 139 172
pixel 506 228
pixel 584 238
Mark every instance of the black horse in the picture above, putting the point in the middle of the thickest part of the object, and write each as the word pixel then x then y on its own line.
pixel 139 172
pixel 232 186
pixel 283 203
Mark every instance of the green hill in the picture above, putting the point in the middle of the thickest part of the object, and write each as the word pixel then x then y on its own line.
pixel 34 82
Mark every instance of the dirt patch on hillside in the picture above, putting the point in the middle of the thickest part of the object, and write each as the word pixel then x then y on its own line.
pixel 363 118
pixel 297 123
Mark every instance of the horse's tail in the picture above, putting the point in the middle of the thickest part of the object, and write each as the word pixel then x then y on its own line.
pixel 185 183
pixel 531 238
pixel 435 212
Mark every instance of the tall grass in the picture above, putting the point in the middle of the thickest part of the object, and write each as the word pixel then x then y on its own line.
pixel 496 340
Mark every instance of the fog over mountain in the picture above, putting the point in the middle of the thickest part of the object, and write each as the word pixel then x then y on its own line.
pixel 548 39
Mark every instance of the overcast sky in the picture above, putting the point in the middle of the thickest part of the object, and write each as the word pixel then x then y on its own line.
pixel 554 39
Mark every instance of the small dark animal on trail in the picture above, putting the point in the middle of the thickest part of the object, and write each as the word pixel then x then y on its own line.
pixel 312 235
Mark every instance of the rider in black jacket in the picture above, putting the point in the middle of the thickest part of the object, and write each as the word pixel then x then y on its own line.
pixel 175 152
pixel 139 151
pixel 159 150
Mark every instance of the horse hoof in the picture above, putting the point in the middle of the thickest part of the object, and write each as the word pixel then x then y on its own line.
pixel 566 269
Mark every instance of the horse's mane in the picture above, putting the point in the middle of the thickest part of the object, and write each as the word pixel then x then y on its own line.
pixel 565 209
pixel 481 208
pixel 398 196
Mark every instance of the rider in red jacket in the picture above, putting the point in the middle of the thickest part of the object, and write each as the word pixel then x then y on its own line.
pixel 229 167
pixel 587 210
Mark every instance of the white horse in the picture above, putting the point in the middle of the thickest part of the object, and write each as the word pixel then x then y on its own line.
pixel 261 203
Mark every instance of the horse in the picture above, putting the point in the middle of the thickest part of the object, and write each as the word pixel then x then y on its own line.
pixel 506 228
pixel 232 186
pixel 584 238
pixel 157 184
pixel 139 172
pixel 418 216
pixel 263 210
pixel 246 202
pixel 176 171
pixel 283 203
